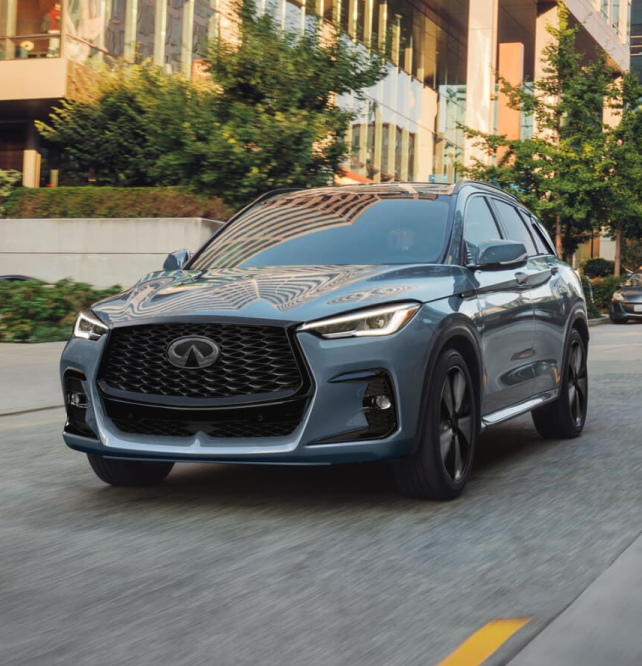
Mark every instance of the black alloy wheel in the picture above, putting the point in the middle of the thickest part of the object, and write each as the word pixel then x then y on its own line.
pixel 445 450
pixel 577 382
pixel 456 425
pixel 564 418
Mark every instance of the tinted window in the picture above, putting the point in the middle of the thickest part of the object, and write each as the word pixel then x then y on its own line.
pixel 635 280
pixel 538 238
pixel 514 225
pixel 330 229
pixel 540 233
pixel 479 226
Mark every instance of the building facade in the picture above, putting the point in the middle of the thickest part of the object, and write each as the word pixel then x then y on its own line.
pixel 444 58
pixel 636 38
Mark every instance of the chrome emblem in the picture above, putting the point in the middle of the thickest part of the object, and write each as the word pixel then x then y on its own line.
pixel 192 351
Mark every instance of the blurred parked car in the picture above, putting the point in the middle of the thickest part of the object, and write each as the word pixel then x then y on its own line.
pixel 626 304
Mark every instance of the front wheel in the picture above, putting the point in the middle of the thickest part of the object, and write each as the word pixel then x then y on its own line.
pixel 565 417
pixel 441 465
pixel 129 472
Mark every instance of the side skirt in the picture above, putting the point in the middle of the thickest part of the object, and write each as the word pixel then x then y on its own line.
pixel 520 408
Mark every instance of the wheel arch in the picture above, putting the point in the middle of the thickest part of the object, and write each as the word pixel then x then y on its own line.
pixel 460 335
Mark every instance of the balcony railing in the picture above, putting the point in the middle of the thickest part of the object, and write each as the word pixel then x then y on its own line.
pixel 45 45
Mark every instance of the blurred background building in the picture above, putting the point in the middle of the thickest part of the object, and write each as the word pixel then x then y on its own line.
pixel 444 57
pixel 636 37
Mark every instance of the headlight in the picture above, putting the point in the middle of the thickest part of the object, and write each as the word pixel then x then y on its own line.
pixel 88 326
pixel 373 322
pixel 617 296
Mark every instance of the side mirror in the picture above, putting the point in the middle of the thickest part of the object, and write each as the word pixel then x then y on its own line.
pixel 498 254
pixel 177 260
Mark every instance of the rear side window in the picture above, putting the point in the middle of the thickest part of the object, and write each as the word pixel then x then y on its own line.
pixel 514 225
pixel 479 225
pixel 541 235
pixel 538 238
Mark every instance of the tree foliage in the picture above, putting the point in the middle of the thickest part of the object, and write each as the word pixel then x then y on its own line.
pixel 264 115
pixel 559 172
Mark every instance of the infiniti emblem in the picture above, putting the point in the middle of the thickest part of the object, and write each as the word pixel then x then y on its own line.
pixel 192 351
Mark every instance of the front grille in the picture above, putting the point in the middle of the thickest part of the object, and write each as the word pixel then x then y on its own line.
pixel 275 420
pixel 229 429
pixel 253 360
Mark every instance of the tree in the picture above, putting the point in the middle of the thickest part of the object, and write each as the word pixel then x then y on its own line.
pixel 559 171
pixel 623 168
pixel 118 129
pixel 266 114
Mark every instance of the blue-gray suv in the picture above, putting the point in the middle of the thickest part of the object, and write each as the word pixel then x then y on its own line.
pixel 345 324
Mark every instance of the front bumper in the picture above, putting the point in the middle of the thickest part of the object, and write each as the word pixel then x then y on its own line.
pixel 624 310
pixel 333 407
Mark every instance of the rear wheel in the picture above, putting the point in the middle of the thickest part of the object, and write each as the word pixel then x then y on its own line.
pixel 440 467
pixel 565 417
pixel 129 472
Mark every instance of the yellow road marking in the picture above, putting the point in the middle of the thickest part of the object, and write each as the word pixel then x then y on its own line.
pixel 476 649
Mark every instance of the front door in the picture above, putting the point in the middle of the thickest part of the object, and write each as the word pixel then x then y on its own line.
pixel 506 321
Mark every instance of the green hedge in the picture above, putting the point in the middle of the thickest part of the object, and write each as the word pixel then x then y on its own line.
pixel 90 202
pixel 34 311
pixel 603 289
pixel 598 267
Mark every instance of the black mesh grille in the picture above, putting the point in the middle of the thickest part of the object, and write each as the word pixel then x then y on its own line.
pixel 253 360
pixel 229 429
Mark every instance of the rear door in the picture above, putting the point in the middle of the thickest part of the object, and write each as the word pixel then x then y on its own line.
pixel 552 301
pixel 506 315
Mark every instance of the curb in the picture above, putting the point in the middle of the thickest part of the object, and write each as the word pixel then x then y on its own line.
pixel 597 321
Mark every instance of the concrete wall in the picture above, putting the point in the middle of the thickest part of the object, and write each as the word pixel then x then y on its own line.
pixel 102 252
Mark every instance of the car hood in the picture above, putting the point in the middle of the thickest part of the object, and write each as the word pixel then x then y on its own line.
pixel 288 293
pixel 632 294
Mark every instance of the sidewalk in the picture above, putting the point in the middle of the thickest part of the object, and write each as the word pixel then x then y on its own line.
pixel 602 627
pixel 29 377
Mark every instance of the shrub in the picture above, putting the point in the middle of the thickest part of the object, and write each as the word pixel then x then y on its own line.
pixel 598 267
pixel 92 202
pixel 603 289
pixel 8 180
pixel 592 308
pixel 34 311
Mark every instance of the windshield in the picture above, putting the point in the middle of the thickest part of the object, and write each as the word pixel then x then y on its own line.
pixel 635 280
pixel 324 229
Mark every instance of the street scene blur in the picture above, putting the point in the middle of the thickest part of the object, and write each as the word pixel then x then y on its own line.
pixel 320 332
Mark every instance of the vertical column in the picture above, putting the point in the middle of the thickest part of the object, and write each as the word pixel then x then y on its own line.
pixel 481 67
pixel 546 16
pixel 405 146
pixel 187 38
pixel 131 17
pixel 510 67
pixel 160 30
pixel 378 141
pixel 31 158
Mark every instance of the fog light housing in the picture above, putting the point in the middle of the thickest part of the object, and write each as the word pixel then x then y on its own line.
pixel 76 403
pixel 378 407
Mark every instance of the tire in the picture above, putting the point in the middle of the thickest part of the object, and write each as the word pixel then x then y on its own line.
pixel 565 417
pixel 441 465
pixel 618 321
pixel 129 472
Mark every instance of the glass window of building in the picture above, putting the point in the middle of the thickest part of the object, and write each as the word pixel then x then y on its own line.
pixel 203 27
pixel 145 29
pixel 174 35
pixel 30 29
pixel 115 30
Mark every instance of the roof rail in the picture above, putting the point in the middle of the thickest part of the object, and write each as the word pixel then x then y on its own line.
pixel 469 181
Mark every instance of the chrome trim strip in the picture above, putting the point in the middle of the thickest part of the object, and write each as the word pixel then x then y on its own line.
pixel 519 409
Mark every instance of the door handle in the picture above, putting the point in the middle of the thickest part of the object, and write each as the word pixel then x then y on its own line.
pixel 522 278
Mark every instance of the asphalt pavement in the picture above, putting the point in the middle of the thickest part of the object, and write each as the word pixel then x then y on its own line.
pixel 246 566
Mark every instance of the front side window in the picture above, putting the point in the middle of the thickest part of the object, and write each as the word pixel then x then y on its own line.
pixel 514 225
pixel 479 226
pixel 320 229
